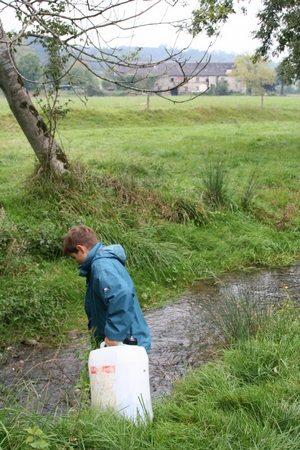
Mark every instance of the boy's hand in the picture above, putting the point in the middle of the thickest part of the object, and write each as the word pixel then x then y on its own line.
pixel 110 343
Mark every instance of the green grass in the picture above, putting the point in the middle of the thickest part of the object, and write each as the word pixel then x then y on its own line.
pixel 140 181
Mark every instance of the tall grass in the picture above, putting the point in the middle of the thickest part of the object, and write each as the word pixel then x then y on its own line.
pixel 239 316
pixel 214 180
pixel 249 190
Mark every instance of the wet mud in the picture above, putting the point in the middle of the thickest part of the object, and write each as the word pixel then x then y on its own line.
pixel 184 335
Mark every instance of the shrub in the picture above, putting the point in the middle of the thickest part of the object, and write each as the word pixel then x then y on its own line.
pixel 45 240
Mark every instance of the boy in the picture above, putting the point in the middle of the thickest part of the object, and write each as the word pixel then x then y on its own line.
pixel 111 304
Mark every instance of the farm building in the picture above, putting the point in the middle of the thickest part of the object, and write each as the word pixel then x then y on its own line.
pixel 190 77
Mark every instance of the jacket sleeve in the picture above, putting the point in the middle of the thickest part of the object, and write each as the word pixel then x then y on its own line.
pixel 118 298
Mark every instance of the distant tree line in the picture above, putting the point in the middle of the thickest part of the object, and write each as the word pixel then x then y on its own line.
pixel 30 63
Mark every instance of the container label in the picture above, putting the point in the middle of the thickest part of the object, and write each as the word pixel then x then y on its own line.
pixel 93 370
pixel 108 369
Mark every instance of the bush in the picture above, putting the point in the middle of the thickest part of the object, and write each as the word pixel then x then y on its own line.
pixel 45 240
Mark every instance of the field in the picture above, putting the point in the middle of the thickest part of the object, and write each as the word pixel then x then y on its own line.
pixel 191 190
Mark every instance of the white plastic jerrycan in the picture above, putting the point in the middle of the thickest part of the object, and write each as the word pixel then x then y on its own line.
pixel 119 379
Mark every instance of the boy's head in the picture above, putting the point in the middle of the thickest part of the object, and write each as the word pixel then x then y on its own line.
pixel 78 237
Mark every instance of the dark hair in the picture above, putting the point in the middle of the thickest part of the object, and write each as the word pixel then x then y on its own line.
pixel 79 235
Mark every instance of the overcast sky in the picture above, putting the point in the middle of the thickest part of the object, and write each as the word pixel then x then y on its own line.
pixel 235 35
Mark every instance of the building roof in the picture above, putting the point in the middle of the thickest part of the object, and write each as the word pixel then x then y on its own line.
pixel 175 70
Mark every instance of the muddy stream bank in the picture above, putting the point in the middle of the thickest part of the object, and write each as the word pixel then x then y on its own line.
pixel 184 335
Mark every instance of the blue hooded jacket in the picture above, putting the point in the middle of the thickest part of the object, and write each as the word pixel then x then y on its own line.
pixel 111 303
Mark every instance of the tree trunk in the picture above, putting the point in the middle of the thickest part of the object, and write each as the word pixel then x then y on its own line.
pixel 35 129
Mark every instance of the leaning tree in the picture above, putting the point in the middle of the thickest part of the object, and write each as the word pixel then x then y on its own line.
pixel 74 31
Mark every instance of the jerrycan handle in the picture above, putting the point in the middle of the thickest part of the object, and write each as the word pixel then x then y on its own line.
pixel 103 345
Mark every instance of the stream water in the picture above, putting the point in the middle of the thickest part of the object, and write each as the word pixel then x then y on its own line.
pixel 184 335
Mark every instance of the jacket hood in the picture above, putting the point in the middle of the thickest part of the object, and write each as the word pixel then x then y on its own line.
pixel 115 251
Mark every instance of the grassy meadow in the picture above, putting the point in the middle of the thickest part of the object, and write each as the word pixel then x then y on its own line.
pixel 192 191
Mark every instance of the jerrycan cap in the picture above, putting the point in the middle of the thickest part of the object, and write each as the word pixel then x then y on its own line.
pixel 130 341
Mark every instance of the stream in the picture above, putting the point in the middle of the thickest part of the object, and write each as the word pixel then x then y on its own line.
pixel 185 334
